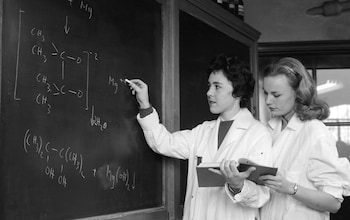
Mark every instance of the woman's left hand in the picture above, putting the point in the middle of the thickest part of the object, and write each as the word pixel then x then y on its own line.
pixel 278 183
pixel 234 178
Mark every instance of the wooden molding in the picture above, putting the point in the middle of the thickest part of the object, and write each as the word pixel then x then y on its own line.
pixel 304 47
pixel 226 17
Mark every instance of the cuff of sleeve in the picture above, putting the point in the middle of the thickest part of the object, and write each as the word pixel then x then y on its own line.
pixel 146 111
pixel 150 122
pixel 334 191
pixel 239 196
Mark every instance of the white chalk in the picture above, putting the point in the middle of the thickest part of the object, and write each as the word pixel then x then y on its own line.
pixel 128 81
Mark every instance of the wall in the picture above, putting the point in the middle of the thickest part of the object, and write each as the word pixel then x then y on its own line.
pixel 286 20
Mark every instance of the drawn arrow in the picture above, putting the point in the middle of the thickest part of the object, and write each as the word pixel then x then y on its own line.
pixel 66 28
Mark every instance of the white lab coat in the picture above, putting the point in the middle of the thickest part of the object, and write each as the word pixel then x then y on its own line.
pixel 306 154
pixel 246 138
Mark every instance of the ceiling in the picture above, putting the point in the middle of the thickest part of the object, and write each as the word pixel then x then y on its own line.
pixel 286 20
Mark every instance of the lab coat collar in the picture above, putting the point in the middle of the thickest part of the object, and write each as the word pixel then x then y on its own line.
pixel 294 123
pixel 241 120
pixel 241 123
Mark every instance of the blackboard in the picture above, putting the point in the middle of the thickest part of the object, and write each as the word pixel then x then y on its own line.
pixel 70 143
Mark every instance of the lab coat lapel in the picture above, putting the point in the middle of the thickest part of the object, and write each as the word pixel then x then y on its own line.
pixel 296 126
pixel 210 150
pixel 293 128
pixel 234 135
pixel 228 145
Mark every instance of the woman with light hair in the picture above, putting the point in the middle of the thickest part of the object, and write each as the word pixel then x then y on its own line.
pixel 312 179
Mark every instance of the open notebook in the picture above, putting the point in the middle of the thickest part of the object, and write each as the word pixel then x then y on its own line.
pixel 207 178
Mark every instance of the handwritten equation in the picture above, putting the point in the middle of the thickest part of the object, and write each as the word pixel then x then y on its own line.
pixel 64 162
pixel 109 175
pixel 52 86
pixel 38 49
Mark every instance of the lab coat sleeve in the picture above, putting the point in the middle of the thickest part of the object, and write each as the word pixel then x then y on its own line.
pixel 326 170
pixel 254 195
pixel 160 140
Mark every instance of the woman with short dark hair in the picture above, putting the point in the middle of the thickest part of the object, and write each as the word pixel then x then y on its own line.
pixel 234 134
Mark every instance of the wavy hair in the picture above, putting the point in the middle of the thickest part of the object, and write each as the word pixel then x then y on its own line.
pixel 238 73
pixel 307 105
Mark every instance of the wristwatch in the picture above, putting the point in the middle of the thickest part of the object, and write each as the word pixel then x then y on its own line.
pixel 295 189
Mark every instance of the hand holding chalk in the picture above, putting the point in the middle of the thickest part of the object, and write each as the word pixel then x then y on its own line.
pixel 126 81
pixel 139 88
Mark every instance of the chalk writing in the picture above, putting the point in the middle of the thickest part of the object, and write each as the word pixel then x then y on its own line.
pixel 112 82
pixel 63 55
pixel 84 7
pixel 37 49
pixel 59 161
pixel 66 28
pixel 15 97
pixel 38 33
pixel 112 175
pixel 55 90
pixel 50 172
pixel 35 143
pixel 96 121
